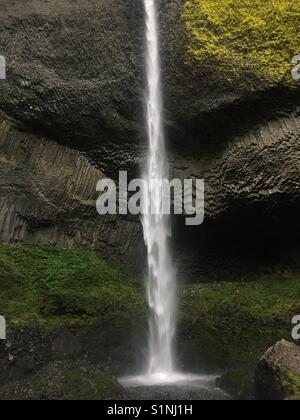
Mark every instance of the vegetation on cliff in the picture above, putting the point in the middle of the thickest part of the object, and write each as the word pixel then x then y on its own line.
pixel 256 36
pixel 232 324
pixel 232 318
pixel 222 326
pixel 54 287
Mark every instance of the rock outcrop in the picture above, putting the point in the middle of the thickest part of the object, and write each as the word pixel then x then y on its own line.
pixel 74 91
pixel 251 200
pixel 278 373
pixel 74 71
pixel 48 193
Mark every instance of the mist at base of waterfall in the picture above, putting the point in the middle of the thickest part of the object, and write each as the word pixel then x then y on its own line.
pixel 172 378
pixel 172 387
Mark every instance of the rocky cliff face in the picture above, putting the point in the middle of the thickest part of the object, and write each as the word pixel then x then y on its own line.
pixel 75 72
pixel 72 111
pixel 252 202
pixel 47 193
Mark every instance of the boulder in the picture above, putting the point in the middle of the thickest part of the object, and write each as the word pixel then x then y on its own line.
pixel 278 373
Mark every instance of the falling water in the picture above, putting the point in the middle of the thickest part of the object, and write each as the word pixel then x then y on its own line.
pixel 161 281
pixel 161 278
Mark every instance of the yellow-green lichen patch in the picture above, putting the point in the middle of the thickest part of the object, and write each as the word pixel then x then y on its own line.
pixel 256 36
pixel 290 383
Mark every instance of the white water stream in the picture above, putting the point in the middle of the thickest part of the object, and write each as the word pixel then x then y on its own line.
pixel 161 281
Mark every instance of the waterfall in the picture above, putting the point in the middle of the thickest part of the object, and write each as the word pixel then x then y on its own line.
pixel 161 277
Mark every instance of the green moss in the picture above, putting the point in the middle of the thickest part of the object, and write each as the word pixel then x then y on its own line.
pixel 64 381
pixel 58 287
pixel 289 382
pixel 87 383
pixel 231 325
pixel 276 382
pixel 221 326
pixel 257 36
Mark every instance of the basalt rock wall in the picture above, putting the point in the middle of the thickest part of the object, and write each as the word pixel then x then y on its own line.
pixel 73 112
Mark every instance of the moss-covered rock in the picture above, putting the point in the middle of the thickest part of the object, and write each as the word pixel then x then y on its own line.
pixel 231 319
pixel 44 285
pixel 245 36
pixel 278 373
pixel 64 381
pixel 65 304
pixel 228 326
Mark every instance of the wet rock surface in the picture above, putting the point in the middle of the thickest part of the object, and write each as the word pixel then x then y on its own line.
pixel 64 381
pixel 278 373
pixel 112 344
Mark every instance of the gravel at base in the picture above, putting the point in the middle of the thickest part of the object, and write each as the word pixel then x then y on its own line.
pixel 175 393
